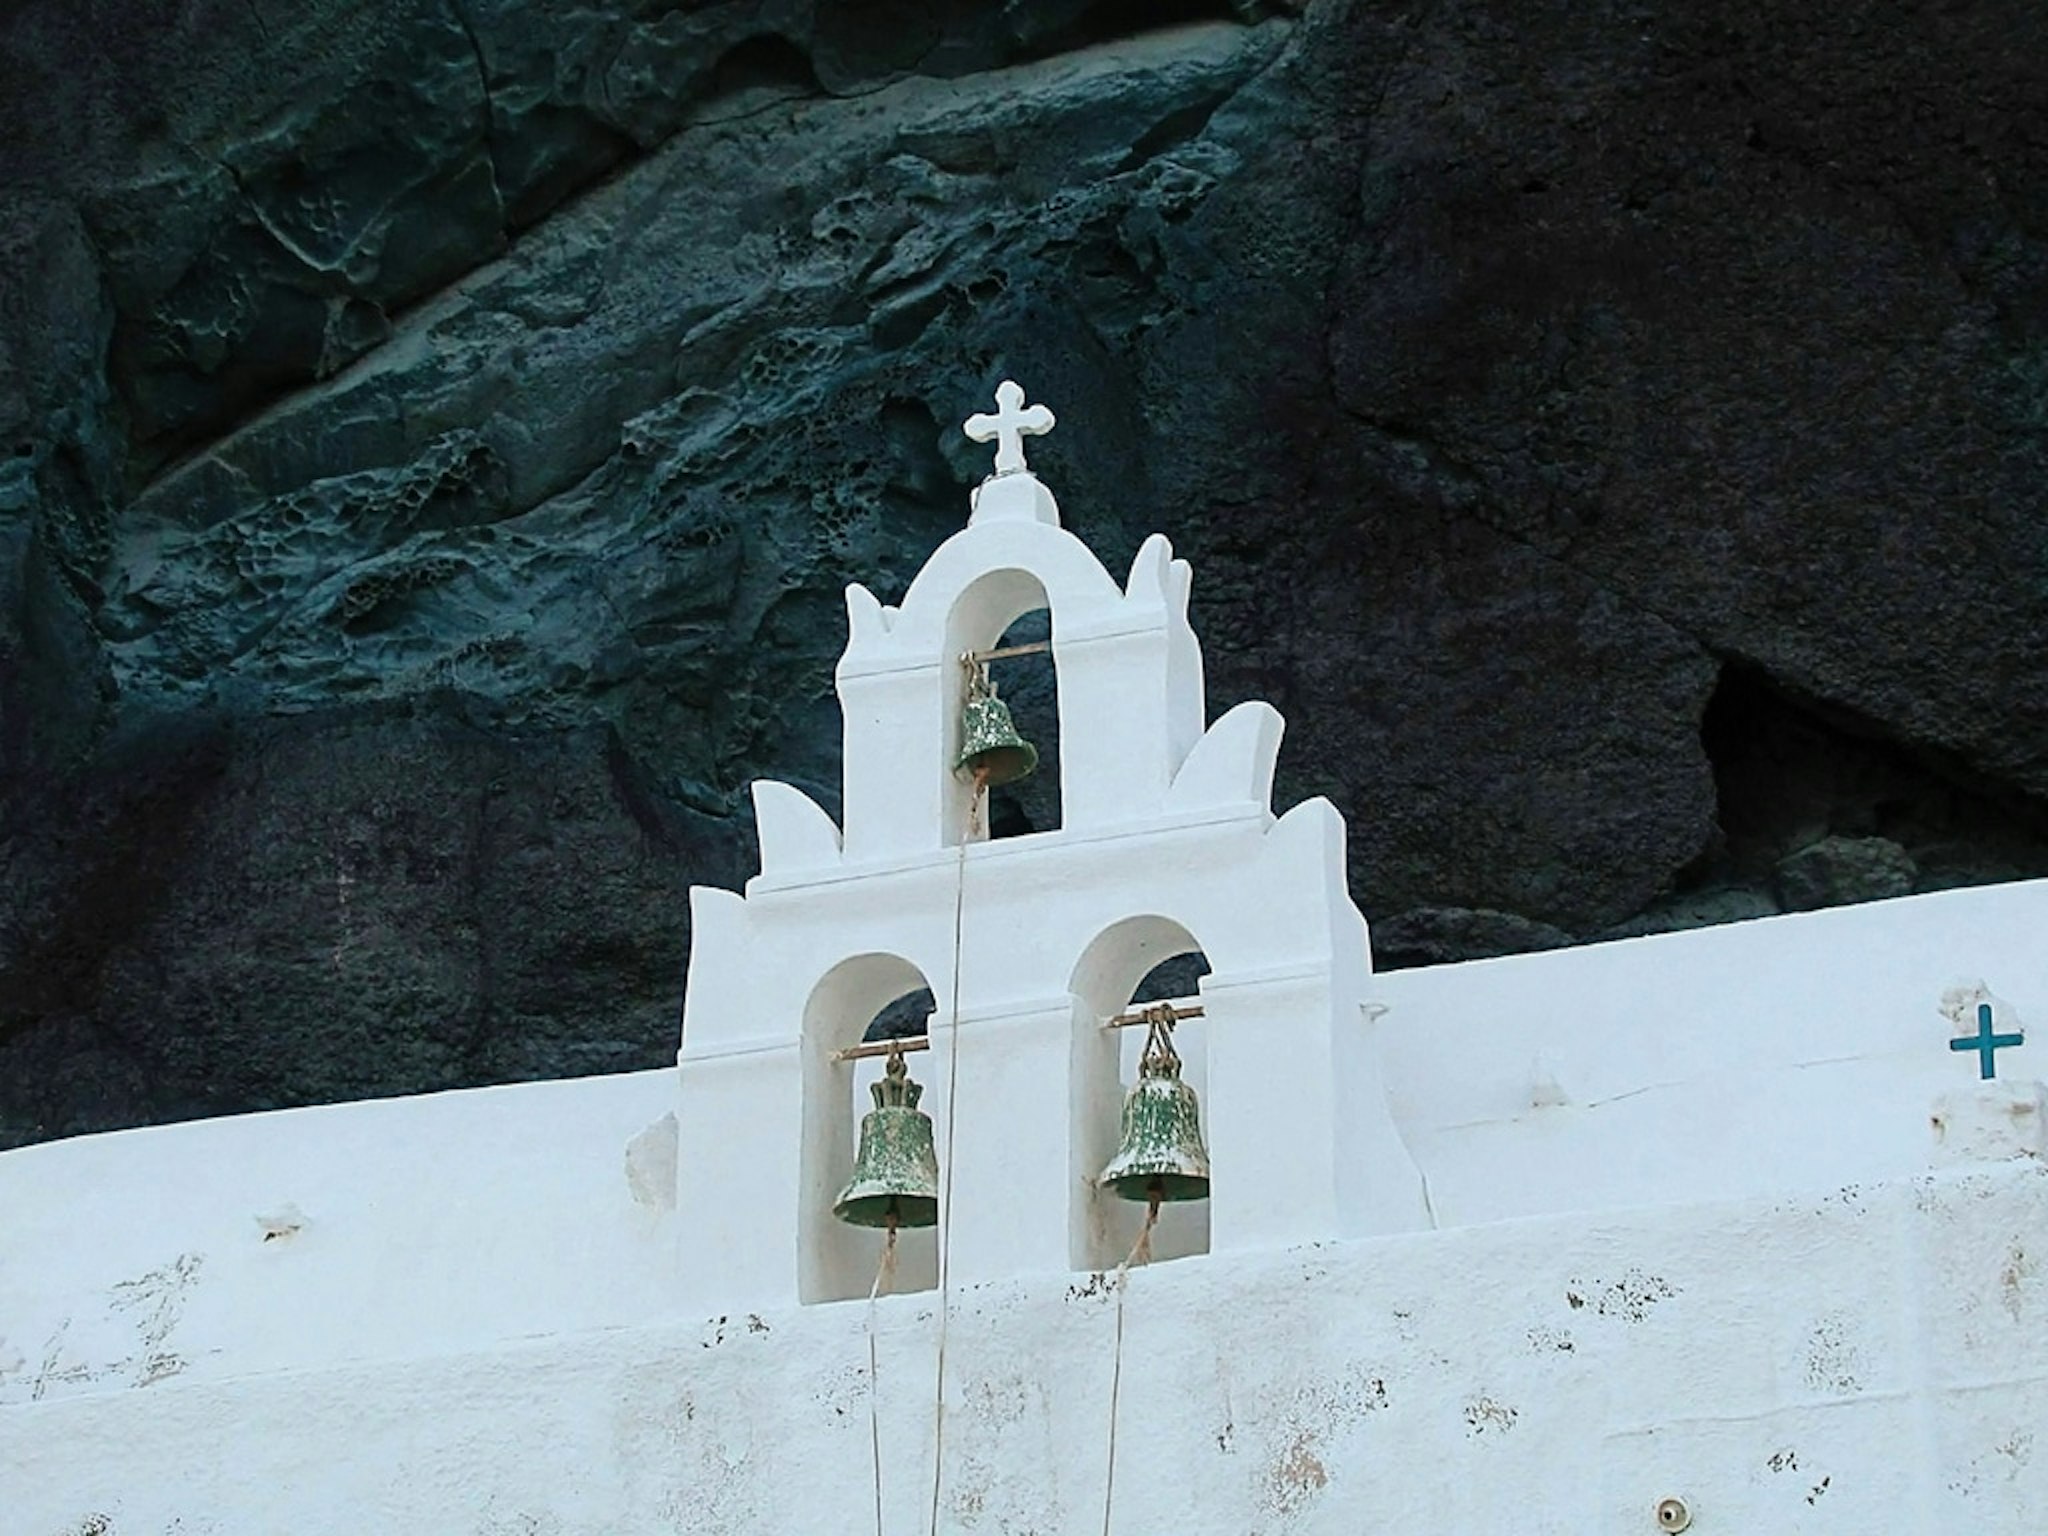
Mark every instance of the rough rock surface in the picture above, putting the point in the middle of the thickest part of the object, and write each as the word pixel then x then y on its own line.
pixel 434 435
pixel 1836 870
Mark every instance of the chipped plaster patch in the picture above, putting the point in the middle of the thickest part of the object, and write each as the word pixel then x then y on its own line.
pixel 2012 1277
pixel 281 1224
pixel 651 1165
pixel 1485 1414
pixel 1629 1299
pixel 1834 1360
pixel 1296 1464
pixel 1297 1474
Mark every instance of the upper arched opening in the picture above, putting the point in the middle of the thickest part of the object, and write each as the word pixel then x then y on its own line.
pixel 1006 617
pixel 985 563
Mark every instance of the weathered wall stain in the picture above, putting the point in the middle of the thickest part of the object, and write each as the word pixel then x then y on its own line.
pixel 1298 1473
pixel 2002 1464
pixel 157 1300
pixel 1630 1298
pixel 1298 1445
pixel 1485 1414
pixel 999 1401
pixel 844 1390
pixel 520 1524
pixel 718 1329
pixel 155 1303
pixel 2012 1277
pixel 1834 1360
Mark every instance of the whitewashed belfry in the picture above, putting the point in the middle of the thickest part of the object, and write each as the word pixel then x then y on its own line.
pixel 1168 845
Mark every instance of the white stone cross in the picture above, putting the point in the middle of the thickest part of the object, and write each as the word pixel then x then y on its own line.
pixel 1009 426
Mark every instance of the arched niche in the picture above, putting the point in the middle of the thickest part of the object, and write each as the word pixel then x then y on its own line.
pixel 1112 973
pixel 837 1261
pixel 997 609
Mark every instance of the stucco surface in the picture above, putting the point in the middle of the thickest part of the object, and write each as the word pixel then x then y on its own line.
pixel 304 1238
pixel 1766 1061
pixel 1782 1053
pixel 1869 1359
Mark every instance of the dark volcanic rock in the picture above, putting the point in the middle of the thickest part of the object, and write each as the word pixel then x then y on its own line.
pixel 1435 935
pixel 434 435
pixel 246 915
pixel 1837 870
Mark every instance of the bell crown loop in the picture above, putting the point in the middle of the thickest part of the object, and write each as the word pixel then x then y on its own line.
pixel 1159 1059
pixel 895 1088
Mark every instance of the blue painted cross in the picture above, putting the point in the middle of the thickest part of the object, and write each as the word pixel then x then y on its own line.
pixel 1984 1043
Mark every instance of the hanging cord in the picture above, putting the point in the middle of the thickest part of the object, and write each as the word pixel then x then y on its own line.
pixel 1141 1253
pixel 1158 1047
pixel 884 1272
pixel 978 687
pixel 946 1171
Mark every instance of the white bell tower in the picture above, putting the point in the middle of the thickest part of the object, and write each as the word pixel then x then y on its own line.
pixel 1168 845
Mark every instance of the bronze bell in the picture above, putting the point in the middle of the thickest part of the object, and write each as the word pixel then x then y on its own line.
pixel 1161 1156
pixel 990 746
pixel 895 1179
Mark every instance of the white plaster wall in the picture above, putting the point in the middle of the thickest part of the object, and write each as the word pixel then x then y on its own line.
pixel 1868 1360
pixel 424 1226
pixel 1760 1059
pixel 1781 1054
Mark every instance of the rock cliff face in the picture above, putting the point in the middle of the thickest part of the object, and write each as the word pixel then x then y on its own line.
pixel 434 435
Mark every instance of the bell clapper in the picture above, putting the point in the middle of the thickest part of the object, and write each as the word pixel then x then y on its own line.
pixel 886 1270
pixel 974 804
pixel 1141 1250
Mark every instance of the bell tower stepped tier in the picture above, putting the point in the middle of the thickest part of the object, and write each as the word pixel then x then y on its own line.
pixel 1028 945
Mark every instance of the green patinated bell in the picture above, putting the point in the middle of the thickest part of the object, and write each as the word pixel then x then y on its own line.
pixel 895 1179
pixel 989 741
pixel 1161 1156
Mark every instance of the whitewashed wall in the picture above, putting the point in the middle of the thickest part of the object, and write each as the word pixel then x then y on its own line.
pixel 424 1226
pixel 458 1311
pixel 1873 1360
pixel 1774 1057
pixel 1785 1053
